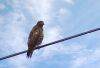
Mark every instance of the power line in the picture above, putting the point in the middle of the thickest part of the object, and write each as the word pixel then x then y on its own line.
pixel 58 41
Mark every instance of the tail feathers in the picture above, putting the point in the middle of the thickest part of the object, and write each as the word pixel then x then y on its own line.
pixel 29 53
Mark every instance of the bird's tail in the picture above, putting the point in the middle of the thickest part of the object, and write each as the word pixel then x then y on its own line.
pixel 29 53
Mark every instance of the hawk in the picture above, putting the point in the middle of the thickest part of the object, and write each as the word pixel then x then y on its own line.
pixel 35 38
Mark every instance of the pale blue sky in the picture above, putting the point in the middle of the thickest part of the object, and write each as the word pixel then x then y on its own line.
pixel 62 18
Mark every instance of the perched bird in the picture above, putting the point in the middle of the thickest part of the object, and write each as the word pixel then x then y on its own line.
pixel 35 38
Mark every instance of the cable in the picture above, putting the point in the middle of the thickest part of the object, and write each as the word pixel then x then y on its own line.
pixel 58 41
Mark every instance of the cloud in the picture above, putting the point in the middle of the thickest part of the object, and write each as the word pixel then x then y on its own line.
pixel 86 56
pixel 61 49
pixel 1 20
pixel 20 62
pixel 14 34
pixel 63 13
pixel 70 1
pixel 40 10
pixel 2 6
pixel 79 62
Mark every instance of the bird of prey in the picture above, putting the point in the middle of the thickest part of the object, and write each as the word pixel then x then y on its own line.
pixel 35 38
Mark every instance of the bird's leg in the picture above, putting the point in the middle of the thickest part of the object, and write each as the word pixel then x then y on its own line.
pixel 37 46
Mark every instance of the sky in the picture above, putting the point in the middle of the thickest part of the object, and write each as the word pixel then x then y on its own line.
pixel 62 18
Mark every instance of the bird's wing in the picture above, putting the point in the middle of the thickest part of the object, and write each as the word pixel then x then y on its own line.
pixel 33 41
pixel 32 32
pixel 33 37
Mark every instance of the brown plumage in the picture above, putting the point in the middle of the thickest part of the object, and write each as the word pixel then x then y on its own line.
pixel 35 38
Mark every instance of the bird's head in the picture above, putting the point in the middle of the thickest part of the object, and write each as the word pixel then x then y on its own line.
pixel 40 23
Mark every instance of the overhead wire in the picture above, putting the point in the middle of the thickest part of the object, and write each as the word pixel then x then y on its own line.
pixel 51 43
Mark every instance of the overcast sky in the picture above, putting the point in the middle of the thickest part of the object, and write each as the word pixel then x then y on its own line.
pixel 62 18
